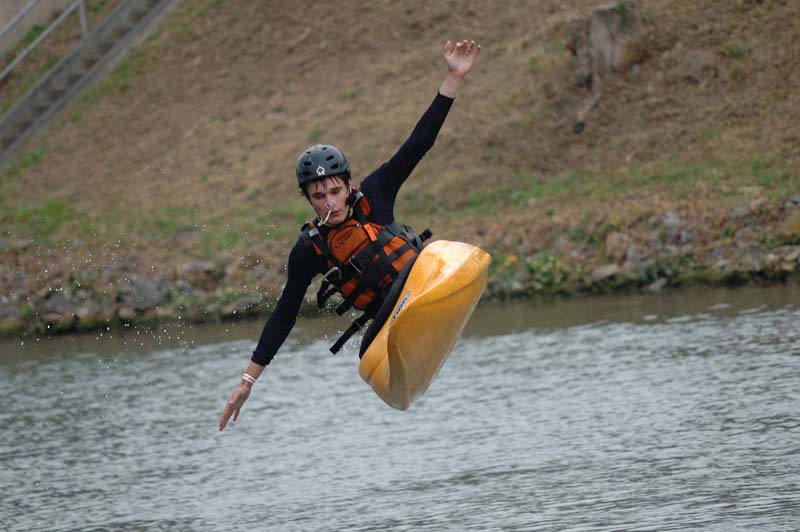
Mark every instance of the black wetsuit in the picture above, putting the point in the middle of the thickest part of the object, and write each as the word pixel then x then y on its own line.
pixel 380 187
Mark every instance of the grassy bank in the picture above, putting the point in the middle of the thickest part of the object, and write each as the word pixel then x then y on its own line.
pixel 168 186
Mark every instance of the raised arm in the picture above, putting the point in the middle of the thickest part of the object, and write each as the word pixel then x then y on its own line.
pixel 460 60
pixel 382 185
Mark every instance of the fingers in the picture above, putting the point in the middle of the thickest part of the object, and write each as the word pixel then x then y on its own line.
pixel 223 419
pixel 474 48
pixel 464 47
pixel 231 409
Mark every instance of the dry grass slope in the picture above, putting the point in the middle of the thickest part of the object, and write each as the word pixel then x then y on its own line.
pixel 187 148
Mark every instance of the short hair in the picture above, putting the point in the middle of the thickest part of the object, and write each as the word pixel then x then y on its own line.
pixel 345 177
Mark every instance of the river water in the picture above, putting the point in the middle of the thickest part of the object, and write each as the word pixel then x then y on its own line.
pixel 678 411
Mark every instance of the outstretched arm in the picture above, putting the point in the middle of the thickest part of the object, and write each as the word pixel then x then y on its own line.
pixel 460 59
pixel 382 185
pixel 277 328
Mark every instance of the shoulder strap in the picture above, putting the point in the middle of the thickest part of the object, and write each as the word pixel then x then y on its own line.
pixel 360 205
pixel 307 232
pixel 312 238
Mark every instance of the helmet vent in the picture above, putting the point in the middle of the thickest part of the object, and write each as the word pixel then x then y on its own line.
pixel 320 161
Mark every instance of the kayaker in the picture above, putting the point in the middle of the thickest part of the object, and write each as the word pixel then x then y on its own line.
pixel 346 214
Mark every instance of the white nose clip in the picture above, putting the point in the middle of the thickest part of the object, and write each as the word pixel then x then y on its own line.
pixel 330 205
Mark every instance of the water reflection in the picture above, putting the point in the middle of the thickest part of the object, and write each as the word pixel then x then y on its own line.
pixel 489 319
pixel 673 412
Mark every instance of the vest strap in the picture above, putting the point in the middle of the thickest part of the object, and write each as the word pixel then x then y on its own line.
pixel 354 328
pixel 372 266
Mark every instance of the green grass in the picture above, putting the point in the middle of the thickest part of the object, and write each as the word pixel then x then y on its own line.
pixel 421 203
pixel 95 7
pixel 481 199
pixel 723 179
pixel 294 212
pixel 22 162
pixel 534 63
pixel 183 21
pixel 28 80
pixel 37 222
pixel 678 176
pixel 120 80
pixel 625 18
pixel 548 275
pixel 215 239
pixel 117 82
pixel 351 94
pixel 32 35
pixel 736 51
pixel 213 234
pixel 314 135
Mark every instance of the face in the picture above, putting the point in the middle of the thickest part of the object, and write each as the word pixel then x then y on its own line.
pixel 329 194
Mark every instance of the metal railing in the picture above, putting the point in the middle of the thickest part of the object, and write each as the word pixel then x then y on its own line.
pixel 77 4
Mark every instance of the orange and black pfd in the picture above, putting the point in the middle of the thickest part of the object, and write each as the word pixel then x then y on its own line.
pixel 364 260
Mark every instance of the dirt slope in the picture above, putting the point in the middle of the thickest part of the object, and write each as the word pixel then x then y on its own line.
pixel 187 149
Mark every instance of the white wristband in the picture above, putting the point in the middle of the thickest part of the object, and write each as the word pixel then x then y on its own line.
pixel 249 378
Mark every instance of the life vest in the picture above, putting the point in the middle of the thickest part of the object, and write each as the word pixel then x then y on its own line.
pixel 363 258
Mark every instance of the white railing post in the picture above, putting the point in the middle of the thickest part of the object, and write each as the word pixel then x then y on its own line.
pixel 78 4
pixel 17 17
pixel 84 26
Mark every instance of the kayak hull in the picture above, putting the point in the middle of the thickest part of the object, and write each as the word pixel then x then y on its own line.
pixel 436 301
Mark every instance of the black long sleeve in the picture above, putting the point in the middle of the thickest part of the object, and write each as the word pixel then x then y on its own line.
pixel 302 267
pixel 380 187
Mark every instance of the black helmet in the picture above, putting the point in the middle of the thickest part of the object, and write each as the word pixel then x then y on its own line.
pixel 321 160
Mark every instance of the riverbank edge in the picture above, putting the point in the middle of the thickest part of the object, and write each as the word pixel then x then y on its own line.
pixel 545 279
pixel 46 291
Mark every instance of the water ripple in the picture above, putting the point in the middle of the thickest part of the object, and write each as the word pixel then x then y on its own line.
pixel 685 423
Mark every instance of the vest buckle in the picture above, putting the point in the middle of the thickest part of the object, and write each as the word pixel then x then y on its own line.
pixel 354 265
pixel 330 272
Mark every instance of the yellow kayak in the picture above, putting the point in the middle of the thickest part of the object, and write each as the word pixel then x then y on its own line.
pixel 421 320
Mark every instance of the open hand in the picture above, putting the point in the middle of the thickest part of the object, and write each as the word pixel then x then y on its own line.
pixel 234 405
pixel 461 57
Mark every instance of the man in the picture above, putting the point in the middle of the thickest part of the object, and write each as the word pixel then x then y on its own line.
pixel 354 242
